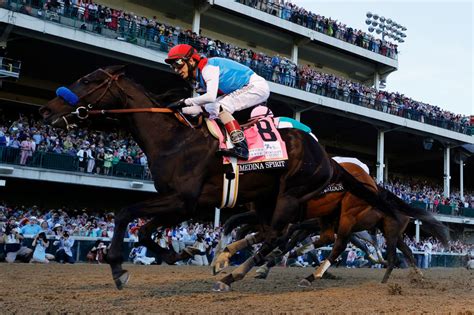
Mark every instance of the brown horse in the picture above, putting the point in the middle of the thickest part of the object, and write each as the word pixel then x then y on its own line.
pixel 340 213
pixel 186 172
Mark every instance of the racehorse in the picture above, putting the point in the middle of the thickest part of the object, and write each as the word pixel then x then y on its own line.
pixel 185 170
pixel 340 213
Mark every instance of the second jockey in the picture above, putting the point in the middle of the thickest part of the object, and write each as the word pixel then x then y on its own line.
pixel 225 86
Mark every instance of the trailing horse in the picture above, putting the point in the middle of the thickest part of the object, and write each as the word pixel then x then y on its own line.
pixel 338 213
pixel 185 170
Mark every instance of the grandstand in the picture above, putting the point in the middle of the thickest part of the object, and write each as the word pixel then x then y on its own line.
pixel 55 45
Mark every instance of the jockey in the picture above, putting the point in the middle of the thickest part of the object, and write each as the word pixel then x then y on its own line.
pixel 225 86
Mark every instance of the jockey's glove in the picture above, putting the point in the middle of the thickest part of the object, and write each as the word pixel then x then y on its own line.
pixel 192 110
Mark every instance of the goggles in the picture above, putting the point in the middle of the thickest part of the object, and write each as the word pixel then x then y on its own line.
pixel 178 64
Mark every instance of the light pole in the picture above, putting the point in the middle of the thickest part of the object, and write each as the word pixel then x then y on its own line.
pixel 387 27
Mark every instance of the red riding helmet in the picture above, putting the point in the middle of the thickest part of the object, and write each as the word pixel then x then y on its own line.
pixel 182 51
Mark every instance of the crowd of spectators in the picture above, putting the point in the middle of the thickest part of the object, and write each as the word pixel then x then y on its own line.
pixel 326 25
pixel 97 152
pixel 63 226
pixel 430 194
pixel 130 26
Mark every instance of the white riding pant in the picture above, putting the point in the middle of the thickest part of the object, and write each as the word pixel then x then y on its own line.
pixel 255 92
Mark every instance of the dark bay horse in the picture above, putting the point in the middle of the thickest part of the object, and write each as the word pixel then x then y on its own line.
pixel 336 215
pixel 186 172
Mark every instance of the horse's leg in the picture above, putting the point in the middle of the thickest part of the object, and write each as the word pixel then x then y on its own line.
pixel 222 261
pixel 249 217
pixel 239 273
pixel 391 241
pixel 409 256
pixel 360 243
pixel 273 258
pixel 286 211
pixel 343 233
pixel 168 207
pixel 169 256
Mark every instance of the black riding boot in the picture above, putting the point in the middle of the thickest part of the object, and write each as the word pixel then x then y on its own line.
pixel 240 149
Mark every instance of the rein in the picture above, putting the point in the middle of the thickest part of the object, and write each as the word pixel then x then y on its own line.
pixel 83 112
pixel 181 118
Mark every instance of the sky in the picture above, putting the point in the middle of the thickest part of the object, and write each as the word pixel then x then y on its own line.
pixel 435 64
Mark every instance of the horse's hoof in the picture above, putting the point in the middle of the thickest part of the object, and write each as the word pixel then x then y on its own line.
pixel 304 283
pixel 220 286
pixel 262 275
pixel 330 276
pixel 122 280
pixel 215 270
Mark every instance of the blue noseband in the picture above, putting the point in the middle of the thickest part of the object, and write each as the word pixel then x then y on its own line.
pixel 67 95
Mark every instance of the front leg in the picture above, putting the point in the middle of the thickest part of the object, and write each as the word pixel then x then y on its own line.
pixel 169 208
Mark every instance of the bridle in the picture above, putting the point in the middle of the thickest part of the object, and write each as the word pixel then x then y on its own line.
pixel 83 112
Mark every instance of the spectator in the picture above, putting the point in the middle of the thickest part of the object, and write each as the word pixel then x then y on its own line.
pixel 351 258
pixel 13 245
pixel 200 259
pixel 32 228
pixel 64 251
pixel 97 252
pixel 40 244
pixel 138 255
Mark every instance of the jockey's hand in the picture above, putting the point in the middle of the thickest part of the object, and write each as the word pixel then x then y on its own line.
pixel 192 110
pixel 177 105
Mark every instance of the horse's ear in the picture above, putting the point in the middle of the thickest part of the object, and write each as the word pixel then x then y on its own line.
pixel 116 69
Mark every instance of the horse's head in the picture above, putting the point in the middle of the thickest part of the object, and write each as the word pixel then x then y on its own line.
pixel 97 90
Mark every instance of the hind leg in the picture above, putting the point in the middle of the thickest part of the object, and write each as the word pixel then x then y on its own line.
pixel 169 256
pixel 273 258
pixel 409 256
pixel 343 234
pixel 222 261
pixel 391 256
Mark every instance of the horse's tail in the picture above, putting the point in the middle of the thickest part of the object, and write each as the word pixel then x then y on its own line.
pixel 430 224
pixel 363 192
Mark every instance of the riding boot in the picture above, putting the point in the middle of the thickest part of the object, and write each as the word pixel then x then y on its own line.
pixel 237 137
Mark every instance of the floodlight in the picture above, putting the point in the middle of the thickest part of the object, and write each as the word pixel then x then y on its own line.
pixel 379 30
pixel 404 28
pixel 382 19
pixel 403 35
pixel 369 15
pixel 368 21
pixel 376 16
pixel 389 21
pixel 371 29
pixel 374 23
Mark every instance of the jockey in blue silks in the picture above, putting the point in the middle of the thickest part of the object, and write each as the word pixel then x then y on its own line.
pixel 227 86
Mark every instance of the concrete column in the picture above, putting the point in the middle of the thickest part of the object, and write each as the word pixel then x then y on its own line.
pixel 217 217
pixel 197 20
pixel 417 230
pixel 294 53
pixel 461 178
pixel 447 174
pixel 380 155
pixel 297 115
pixel 385 170
pixel 376 80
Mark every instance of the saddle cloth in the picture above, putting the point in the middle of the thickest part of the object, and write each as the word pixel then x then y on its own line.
pixel 266 148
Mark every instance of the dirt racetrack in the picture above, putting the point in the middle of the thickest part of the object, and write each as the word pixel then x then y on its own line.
pixel 83 288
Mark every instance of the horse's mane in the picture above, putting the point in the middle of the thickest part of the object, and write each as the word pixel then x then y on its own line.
pixel 159 100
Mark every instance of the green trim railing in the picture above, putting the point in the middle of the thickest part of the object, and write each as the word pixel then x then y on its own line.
pixel 68 163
